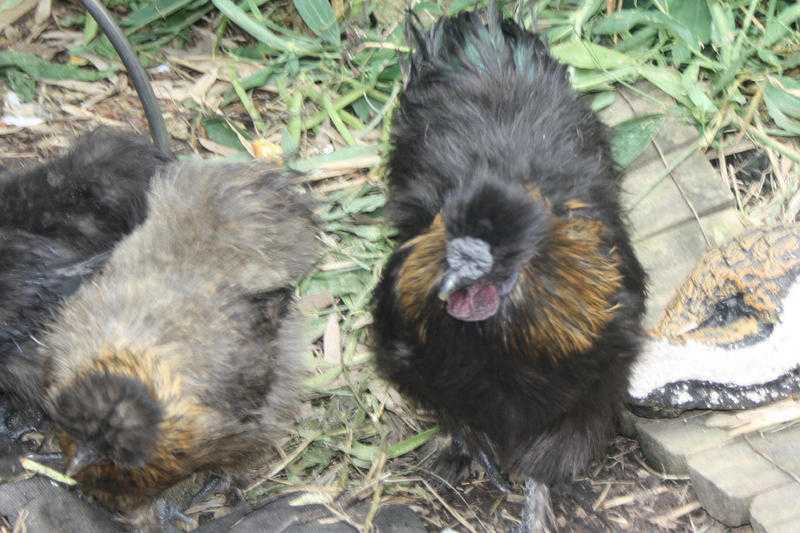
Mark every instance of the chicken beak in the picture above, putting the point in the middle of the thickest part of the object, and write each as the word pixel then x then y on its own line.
pixel 450 284
pixel 83 457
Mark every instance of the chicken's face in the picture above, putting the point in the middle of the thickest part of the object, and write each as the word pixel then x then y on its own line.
pixel 493 229
pixel 108 419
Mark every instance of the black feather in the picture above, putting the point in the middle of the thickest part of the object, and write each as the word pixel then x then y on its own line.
pixel 89 197
pixel 58 222
pixel 36 273
pixel 490 136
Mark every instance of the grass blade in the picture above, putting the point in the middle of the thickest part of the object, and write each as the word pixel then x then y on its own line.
pixel 320 18
pixel 40 69
pixel 262 34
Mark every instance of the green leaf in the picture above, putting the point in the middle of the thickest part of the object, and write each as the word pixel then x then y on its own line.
pixel 779 26
pixel 791 61
pixel 695 91
pixel 638 40
pixel 666 79
pixel 337 283
pixel 432 8
pixel 89 29
pixel 769 58
pixel 585 80
pixel 320 18
pixel 584 13
pixel 603 100
pixel 219 131
pixel 680 54
pixel 40 69
pixel 695 15
pixel 630 138
pixel 457 6
pixel 364 204
pixel 368 452
pixel 623 21
pixel 294 45
pixel 22 84
pixel 371 233
pixel 723 29
pixel 782 98
pixel 344 156
pixel 411 443
pixel 362 109
pixel 150 12
pixel 586 55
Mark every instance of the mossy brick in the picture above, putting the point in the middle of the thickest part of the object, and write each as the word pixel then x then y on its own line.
pixel 777 511
pixel 665 230
pixel 666 443
pixel 727 479
pixel 781 448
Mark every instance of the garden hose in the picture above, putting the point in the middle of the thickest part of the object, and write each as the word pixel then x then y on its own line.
pixel 141 83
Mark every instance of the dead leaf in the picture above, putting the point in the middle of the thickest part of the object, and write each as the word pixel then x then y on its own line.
pixel 175 90
pixel 389 397
pixel 216 148
pixel 201 86
pixel 21 115
pixel 761 418
pixel 177 128
pixel 313 303
pixel 332 340
pixel 85 87
pixel 43 11
pixel 78 112
pixel 11 15
pixel 225 67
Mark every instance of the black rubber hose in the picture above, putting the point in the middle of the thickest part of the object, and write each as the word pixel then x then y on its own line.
pixel 155 120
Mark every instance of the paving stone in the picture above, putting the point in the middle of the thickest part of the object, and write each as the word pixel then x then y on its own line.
pixel 727 479
pixel 667 443
pixel 665 231
pixel 781 448
pixel 777 511
pixel 669 258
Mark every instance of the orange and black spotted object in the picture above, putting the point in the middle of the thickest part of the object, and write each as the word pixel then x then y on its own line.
pixel 512 306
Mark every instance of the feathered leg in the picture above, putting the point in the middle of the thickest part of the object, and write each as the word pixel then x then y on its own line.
pixel 537 512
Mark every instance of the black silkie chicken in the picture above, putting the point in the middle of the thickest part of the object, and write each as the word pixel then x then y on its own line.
pixel 58 221
pixel 512 306
pixel 36 274
pixel 87 198
pixel 183 353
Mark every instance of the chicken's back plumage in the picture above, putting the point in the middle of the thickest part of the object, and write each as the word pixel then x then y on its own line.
pixel 507 202
pixel 183 354
pixel 89 197
pixel 36 274
pixel 58 221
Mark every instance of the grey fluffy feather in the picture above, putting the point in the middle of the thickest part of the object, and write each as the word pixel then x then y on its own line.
pixel 205 284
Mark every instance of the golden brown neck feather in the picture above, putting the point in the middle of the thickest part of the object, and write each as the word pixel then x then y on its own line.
pixel 565 298
pixel 179 449
pixel 421 272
